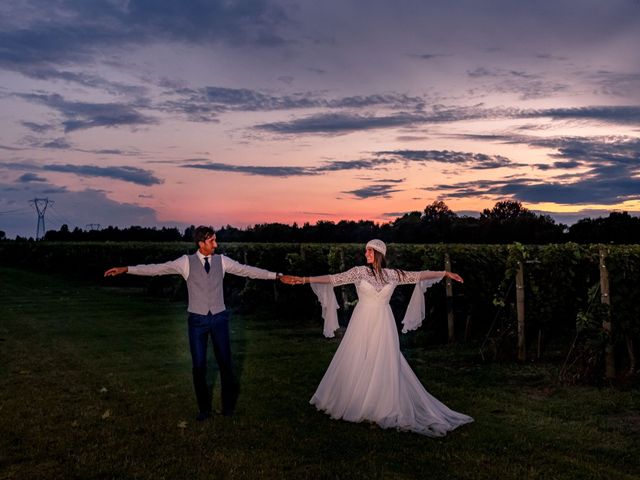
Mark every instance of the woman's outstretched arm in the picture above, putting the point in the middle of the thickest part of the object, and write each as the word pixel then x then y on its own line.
pixel 352 275
pixel 429 275
pixel 317 279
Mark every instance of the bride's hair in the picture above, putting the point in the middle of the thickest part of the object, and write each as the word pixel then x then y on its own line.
pixel 378 266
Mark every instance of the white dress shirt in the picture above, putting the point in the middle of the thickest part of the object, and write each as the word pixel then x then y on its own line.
pixel 180 266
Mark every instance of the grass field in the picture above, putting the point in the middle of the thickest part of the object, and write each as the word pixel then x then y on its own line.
pixel 95 384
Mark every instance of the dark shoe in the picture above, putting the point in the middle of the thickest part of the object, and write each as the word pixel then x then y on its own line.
pixel 202 416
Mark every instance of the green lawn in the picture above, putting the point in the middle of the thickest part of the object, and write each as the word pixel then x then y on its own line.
pixel 95 382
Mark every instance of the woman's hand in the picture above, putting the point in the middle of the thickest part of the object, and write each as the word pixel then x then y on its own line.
pixel 454 276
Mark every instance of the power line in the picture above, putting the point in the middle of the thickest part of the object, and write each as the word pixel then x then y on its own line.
pixel 60 218
pixel 17 210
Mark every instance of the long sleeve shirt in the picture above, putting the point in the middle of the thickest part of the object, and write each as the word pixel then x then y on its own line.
pixel 180 266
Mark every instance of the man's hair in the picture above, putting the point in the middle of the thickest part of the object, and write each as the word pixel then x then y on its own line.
pixel 201 233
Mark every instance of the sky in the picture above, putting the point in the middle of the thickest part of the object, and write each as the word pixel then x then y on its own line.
pixel 167 113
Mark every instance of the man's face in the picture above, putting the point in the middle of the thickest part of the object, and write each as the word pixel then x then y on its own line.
pixel 208 246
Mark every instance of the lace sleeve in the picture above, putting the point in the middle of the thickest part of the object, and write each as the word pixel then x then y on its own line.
pixel 350 276
pixel 404 277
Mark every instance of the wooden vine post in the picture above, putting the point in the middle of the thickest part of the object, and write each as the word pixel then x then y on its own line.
pixel 343 291
pixel 449 290
pixel 609 359
pixel 522 346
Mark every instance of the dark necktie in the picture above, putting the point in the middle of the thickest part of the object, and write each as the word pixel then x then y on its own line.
pixel 207 267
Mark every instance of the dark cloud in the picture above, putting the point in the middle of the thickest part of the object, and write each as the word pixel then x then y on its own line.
pixel 58 143
pixel 25 49
pixel 622 115
pixel 11 149
pixel 395 101
pixel 123 173
pixel 391 180
pixel 428 56
pixel 618 84
pixel 588 191
pixel 38 127
pixel 476 161
pixel 54 190
pixel 569 164
pixel 384 191
pixel 363 164
pixel 89 80
pixel 20 166
pixel 411 138
pixel 41 34
pixel 208 103
pixel 83 115
pixel 254 170
pixel 549 56
pixel 525 84
pixel 31 177
pixel 39 142
pixel 291 171
pixel 111 151
pixel 612 175
pixel 577 151
pixel 339 123
pixel 238 22
pixel 481 72
pixel 126 174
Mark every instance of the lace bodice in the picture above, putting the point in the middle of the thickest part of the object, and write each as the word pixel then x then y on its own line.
pixel 390 276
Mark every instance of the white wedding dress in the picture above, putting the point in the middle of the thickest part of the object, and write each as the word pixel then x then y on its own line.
pixel 368 378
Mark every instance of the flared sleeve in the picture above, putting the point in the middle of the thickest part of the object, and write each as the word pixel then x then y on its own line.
pixel 327 298
pixel 416 310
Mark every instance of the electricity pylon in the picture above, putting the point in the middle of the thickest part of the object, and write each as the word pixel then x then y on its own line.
pixel 41 204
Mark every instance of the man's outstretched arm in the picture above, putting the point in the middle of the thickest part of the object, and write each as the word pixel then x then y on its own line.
pixel 179 266
pixel 236 268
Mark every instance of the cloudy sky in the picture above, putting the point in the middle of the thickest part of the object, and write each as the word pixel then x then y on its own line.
pixel 158 112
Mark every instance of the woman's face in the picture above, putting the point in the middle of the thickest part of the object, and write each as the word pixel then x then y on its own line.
pixel 369 255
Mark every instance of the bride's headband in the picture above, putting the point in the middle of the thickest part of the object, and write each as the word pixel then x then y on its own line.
pixel 378 246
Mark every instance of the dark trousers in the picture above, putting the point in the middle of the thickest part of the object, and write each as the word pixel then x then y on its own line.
pixel 201 327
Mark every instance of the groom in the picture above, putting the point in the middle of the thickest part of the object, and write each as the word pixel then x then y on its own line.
pixel 208 316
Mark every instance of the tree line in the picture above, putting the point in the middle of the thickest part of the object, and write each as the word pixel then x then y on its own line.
pixel 507 222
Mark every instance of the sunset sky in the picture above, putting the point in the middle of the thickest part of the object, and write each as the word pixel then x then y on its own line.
pixel 158 112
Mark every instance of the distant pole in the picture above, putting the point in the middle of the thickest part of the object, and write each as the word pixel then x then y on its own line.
pixel 41 204
pixel 609 358
pixel 343 291
pixel 449 290
pixel 522 347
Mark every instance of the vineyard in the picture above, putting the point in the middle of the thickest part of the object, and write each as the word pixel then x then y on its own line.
pixel 526 303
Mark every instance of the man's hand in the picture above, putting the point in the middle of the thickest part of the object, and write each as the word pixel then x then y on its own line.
pixel 290 279
pixel 112 272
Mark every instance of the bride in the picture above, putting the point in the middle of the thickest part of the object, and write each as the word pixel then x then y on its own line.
pixel 368 378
